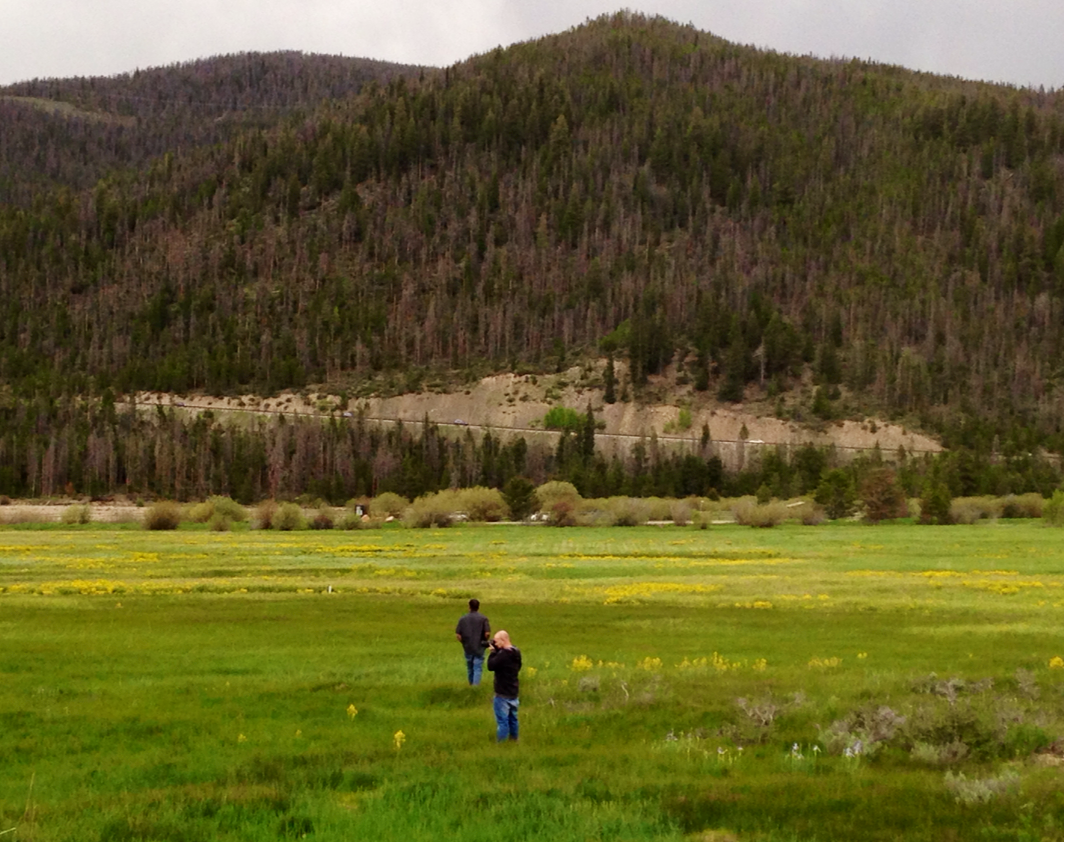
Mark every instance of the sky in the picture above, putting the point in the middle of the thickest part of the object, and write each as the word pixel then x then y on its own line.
pixel 1019 42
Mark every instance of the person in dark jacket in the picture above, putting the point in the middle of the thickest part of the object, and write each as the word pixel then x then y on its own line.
pixel 472 632
pixel 505 661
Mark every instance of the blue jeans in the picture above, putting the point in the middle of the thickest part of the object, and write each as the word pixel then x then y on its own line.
pixel 506 711
pixel 473 668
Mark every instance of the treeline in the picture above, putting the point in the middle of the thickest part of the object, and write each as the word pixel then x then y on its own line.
pixel 633 186
pixel 72 447
pixel 70 133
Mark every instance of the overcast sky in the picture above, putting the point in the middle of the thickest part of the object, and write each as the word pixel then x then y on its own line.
pixel 1015 41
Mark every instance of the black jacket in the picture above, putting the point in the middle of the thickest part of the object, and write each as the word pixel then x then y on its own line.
pixel 506 664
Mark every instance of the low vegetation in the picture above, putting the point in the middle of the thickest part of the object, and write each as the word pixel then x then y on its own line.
pixel 841 683
pixel 163 515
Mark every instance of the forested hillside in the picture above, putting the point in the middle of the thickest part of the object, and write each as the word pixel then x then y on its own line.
pixel 72 132
pixel 632 186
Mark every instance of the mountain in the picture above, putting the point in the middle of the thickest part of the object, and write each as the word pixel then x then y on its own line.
pixel 72 132
pixel 842 236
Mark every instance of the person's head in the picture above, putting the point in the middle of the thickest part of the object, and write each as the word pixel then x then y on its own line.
pixel 475 604
pixel 501 639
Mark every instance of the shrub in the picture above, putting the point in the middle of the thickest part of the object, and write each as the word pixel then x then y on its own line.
pixel 971 509
pixel 388 504
pixel 350 520
pixel 552 492
pixel 218 523
pixel 563 418
pixel 749 513
pixel 629 511
pixel 680 512
pixel 520 496
pixel 658 508
pixel 223 507
pixel 322 520
pixel 563 512
pixel 199 512
pixel 1052 509
pixel 76 514
pixel 162 515
pixel 431 510
pixel 1021 505
pixel 289 518
pixel 265 513
pixel 981 790
pixel 228 508
pixel 593 512
pixel 763 495
pixel 811 514
pixel 484 505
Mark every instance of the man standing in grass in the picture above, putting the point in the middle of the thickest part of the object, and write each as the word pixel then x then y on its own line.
pixel 472 632
pixel 505 662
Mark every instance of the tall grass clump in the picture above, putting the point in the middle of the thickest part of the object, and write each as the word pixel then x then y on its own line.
pixel 289 518
pixel 162 515
pixel 78 513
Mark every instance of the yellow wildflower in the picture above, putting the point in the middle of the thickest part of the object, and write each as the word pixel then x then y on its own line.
pixel 398 739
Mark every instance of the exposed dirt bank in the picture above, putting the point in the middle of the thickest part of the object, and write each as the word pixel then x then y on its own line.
pixel 519 402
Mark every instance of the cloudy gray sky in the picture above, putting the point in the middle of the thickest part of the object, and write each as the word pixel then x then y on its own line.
pixel 1015 41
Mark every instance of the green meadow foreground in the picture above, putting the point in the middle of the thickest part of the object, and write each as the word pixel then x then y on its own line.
pixel 802 683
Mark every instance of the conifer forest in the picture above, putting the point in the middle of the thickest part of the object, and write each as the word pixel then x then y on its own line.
pixel 632 189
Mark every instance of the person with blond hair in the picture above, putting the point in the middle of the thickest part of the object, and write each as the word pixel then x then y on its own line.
pixel 505 662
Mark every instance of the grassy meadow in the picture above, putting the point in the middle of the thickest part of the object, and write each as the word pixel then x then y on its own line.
pixel 837 682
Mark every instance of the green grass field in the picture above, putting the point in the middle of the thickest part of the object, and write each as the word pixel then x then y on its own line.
pixel 838 682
